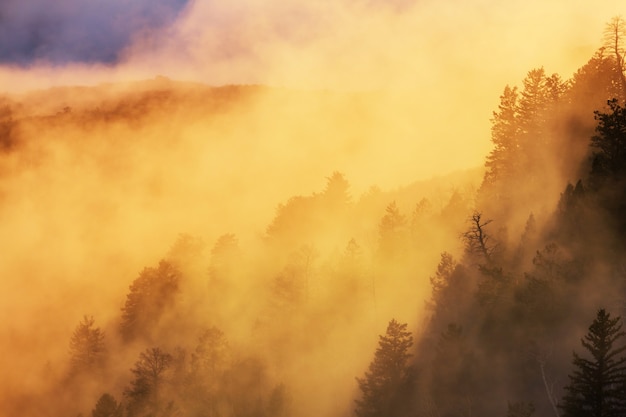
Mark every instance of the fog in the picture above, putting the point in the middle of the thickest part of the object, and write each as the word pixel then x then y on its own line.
pixel 132 136
pixel 100 183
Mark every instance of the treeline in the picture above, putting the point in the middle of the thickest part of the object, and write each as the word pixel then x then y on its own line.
pixel 220 330
pixel 257 330
pixel 536 269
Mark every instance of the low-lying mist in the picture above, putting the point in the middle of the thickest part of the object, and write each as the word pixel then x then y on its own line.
pixel 100 183
pixel 241 197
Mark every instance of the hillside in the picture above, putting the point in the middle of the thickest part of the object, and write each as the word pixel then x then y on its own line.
pixel 183 250
pixel 238 190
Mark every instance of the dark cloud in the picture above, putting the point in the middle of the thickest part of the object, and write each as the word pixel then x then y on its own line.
pixel 65 31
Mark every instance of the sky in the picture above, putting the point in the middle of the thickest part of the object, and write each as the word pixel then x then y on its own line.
pixel 352 44
pixel 65 31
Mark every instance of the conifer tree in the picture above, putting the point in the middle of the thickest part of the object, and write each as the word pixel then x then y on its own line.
pixel 502 161
pixel 609 143
pixel 151 294
pixel 608 171
pixel 87 349
pixel 596 387
pixel 388 375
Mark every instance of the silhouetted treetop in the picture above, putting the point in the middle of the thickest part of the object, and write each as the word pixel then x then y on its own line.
pixel 87 349
pixel 477 240
pixel 145 394
pixel 614 40
pixel 596 387
pixel 151 294
pixel 609 144
pixel 107 406
pixel 336 190
pixel 387 376
pixel 502 160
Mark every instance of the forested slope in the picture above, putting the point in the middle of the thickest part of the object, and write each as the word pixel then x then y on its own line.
pixel 486 280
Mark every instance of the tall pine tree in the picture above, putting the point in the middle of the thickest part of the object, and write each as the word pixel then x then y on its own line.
pixel 388 377
pixel 596 387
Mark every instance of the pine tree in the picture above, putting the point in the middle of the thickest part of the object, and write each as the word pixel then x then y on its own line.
pixel 87 349
pixel 151 294
pixel 594 83
pixel 596 387
pixel 502 161
pixel 440 281
pixel 388 376
pixel 608 171
pixel 336 192
pixel 392 233
pixel 532 107
pixel 609 157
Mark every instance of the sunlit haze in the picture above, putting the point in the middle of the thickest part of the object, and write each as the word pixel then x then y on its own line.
pixel 296 170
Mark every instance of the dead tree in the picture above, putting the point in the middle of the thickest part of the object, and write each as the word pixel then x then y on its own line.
pixel 477 241
pixel 613 40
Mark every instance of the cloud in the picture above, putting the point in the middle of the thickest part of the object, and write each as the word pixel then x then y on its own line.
pixel 75 30
pixel 346 44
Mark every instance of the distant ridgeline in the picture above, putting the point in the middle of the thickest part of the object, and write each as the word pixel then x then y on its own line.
pixel 518 265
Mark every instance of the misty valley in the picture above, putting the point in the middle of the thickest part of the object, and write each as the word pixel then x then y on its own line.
pixel 175 249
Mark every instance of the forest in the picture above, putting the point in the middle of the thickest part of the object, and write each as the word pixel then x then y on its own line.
pixel 497 291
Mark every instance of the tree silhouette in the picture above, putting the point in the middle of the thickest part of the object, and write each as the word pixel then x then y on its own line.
pixel 145 390
pixel 608 171
pixel 592 86
pixel 609 144
pixel 107 407
pixel 87 349
pixel 441 280
pixel 613 40
pixel 392 232
pixel 477 240
pixel 450 286
pixel 596 387
pixel 336 191
pixel 150 295
pixel 388 375
pixel 503 159
pixel 532 105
